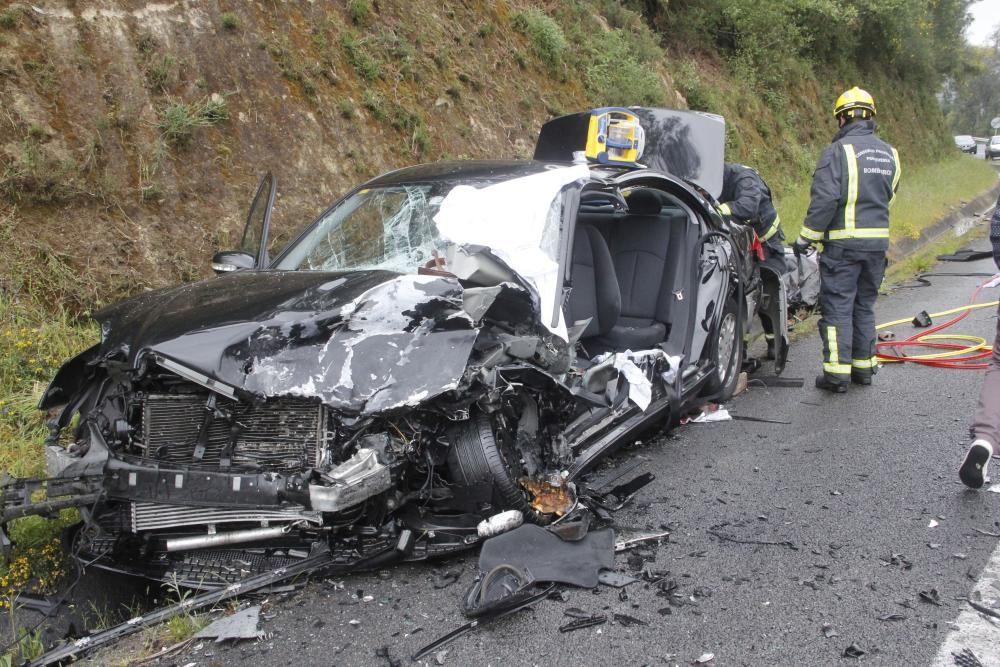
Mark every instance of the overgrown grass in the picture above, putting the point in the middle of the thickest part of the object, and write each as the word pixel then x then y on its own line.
pixel 38 175
pixel 547 38
pixel 230 22
pixel 926 194
pixel 368 66
pixel 179 120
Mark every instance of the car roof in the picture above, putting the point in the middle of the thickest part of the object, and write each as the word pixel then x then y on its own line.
pixel 488 170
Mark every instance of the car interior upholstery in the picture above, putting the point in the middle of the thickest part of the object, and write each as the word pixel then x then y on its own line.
pixel 645 248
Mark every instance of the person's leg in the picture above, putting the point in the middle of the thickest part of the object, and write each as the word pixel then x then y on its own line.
pixel 838 284
pixel 863 341
pixel 985 423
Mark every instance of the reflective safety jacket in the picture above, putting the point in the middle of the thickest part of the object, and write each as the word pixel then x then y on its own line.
pixel 746 197
pixel 853 187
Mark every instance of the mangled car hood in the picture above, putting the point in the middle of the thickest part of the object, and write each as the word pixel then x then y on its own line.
pixel 361 342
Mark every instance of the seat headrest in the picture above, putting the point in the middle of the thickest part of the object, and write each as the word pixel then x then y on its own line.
pixel 644 202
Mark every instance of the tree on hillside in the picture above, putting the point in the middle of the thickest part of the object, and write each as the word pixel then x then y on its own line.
pixel 972 97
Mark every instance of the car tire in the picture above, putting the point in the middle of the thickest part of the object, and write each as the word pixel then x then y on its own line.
pixel 725 350
pixel 476 458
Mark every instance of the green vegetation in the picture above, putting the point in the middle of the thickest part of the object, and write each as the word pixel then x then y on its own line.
pixel 230 22
pixel 9 18
pixel 360 11
pixel 927 193
pixel 366 65
pixel 179 120
pixel 159 72
pixel 547 38
pixel 39 175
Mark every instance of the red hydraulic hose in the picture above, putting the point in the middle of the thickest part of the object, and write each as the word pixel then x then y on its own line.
pixel 961 361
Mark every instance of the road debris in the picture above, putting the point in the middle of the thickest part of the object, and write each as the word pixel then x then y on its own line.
pixel 241 625
pixel 829 631
pixel 549 558
pixel 892 617
pixel 615 579
pixel 992 613
pixel 627 621
pixel 729 538
pixel 931 597
pixel 932 524
pixel 703 658
pixel 854 651
pixel 966 658
pixel 582 623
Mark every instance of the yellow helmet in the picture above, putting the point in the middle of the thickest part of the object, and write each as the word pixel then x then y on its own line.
pixel 860 102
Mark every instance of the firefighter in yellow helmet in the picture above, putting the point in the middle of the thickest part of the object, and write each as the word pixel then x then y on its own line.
pixel 853 187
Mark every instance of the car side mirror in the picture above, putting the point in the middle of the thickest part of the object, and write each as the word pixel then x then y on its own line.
pixel 228 261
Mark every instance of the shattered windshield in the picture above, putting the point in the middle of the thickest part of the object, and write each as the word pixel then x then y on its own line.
pixel 390 228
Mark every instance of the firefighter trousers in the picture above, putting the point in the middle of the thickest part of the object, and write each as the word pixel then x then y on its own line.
pixel 849 282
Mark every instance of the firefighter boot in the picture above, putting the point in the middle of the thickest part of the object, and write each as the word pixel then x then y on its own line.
pixel 832 386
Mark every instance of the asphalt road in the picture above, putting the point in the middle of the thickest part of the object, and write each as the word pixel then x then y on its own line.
pixel 851 487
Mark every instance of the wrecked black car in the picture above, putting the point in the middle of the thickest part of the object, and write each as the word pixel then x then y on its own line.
pixel 446 344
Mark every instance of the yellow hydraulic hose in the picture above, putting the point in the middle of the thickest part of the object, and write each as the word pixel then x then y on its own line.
pixel 977 342
pixel 942 313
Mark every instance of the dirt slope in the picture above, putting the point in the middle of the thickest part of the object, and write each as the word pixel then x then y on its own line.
pixel 106 181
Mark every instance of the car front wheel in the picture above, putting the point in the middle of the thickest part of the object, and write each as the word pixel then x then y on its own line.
pixel 726 353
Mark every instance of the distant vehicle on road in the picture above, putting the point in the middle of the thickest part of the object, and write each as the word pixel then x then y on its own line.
pixel 965 143
pixel 993 148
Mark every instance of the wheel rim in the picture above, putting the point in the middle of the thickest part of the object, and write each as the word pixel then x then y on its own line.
pixel 726 347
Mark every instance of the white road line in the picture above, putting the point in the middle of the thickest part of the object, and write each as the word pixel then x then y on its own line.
pixel 976 631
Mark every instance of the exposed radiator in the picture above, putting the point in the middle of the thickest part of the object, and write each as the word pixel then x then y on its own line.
pixel 283 434
pixel 153 516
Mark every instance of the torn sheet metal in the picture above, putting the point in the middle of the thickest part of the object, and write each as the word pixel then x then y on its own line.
pixel 366 342
pixel 518 220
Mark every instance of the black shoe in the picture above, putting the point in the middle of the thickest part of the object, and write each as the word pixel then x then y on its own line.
pixel 770 350
pixel 864 380
pixel 825 383
pixel 973 470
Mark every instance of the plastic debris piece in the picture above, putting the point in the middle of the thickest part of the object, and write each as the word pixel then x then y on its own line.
pixel 704 657
pixel 720 415
pixel 500 523
pixel 922 320
pixel 548 558
pixel 626 542
pixel 615 578
pixel 581 623
pixel 440 657
pixel 892 617
pixel 241 625
pixel 931 597
pixel 932 524
pixel 854 651
pixel 934 545
pixel 627 621
pixel 829 631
